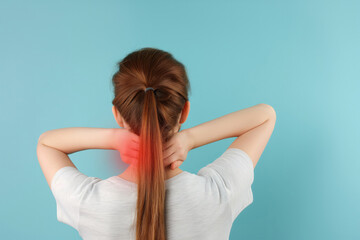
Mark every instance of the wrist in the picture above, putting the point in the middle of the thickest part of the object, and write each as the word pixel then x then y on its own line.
pixel 190 138
pixel 116 137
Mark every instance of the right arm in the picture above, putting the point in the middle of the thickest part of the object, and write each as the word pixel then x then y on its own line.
pixel 252 126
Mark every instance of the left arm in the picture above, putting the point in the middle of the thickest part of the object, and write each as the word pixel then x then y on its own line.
pixel 55 145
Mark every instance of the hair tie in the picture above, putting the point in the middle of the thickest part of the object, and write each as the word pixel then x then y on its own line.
pixel 149 89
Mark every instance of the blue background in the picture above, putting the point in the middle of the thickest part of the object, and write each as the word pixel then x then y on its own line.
pixel 301 57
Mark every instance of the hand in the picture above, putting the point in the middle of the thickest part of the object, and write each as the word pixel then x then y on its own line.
pixel 127 143
pixel 176 149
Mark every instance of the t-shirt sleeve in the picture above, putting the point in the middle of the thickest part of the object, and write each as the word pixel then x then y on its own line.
pixel 233 172
pixel 68 187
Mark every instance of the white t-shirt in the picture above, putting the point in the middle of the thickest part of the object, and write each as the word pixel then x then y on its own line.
pixel 198 206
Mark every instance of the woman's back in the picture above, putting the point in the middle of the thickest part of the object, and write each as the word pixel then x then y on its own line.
pixel 201 206
pixel 151 102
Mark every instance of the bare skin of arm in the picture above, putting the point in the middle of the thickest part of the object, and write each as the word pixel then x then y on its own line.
pixel 252 126
pixel 55 146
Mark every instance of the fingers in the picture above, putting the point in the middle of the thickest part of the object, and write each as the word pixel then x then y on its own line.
pixel 168 152
pixel 135 147
pixel 169 159
pixel 169 156
pixel 176 164
pixel 167 146
pixel 133 153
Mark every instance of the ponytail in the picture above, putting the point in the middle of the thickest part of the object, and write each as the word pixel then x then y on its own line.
pixel 150 213
pixel 153 116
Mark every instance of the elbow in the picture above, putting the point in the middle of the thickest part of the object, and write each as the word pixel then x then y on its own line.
pixel 271 111
pixel 41 138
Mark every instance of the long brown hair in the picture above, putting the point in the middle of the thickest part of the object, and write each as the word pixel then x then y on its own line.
pixel 152 115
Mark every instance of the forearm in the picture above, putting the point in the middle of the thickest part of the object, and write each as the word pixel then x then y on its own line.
pixel 231 125
pixel 70 140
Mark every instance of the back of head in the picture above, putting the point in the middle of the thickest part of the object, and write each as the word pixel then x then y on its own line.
pixel 152 115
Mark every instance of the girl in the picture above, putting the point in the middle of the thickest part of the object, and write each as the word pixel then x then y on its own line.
pixel 153 199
